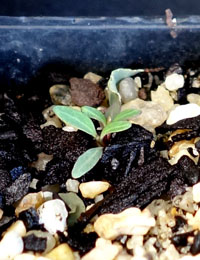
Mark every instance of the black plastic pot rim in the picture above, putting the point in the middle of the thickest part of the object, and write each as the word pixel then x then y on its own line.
pixel 140 22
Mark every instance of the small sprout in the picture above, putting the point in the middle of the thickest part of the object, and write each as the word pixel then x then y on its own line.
pixel 81 120
pixel 112 122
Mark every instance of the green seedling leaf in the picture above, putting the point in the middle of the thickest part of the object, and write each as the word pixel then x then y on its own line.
pixel 115 127
pixel 126 114
pixel 75 204
pixel 75 118
pixel 113 94
pixel 94 114
pixel 86 161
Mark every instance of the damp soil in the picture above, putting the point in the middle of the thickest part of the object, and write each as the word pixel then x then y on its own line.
pixel 142 176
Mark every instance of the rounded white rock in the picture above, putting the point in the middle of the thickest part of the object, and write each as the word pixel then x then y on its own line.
pixel 92 189
pixel 128 90
pixel 182 112
pixel 196 192
pixel 11 245
pixel 193 98
pixel 72 185
pixel 53 215
pixel 174 81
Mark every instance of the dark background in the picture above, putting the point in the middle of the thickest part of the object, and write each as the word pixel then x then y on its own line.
pixel 98 7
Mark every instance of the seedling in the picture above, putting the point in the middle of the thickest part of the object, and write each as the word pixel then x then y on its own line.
pixel 81 119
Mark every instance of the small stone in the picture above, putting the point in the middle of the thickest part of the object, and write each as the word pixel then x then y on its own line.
pixel 30 218
pixel 98 198
pixel 1 214
pixel 170 253
pixel 124 256
pixel 61 252
pixel 42 161
pixel 72 185
pixel 53 215
pixel 104 249
pixel 85 93
pixel 25 256
pixel 29 256
pixel 60 95
pixel 189 257
pixel 50 240
pixel 48 195
pixel 162 97
pixel 184 202
pixel 131 221
pixel 174 81
pixel 142 94
pixel 93 188
pixel 31 200
pixel 68 128
pixel 152 115
pixel 193 98
pixel 196 82
pixel 134 241
pixel 76 205
pixel 92 77
pixel 180 149
pixel 128 90
pixel 51 122
pixel 196 192
pixel 138 82
pixel 51 118
pixel 11 245
pixel 34 243
pixel 194 221
pixel 33 184
pixel 182 112
pixel 18 227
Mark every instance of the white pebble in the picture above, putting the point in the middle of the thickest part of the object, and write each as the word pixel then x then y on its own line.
pixel 92 77
pixel 93 188
pixel 182 112
pixel 162 97
pixel 28 256
pixel 53 215
pixel 17 227
pixel 170 253
pixel 193 98
pixel 196 192
pixel 72 185
pixel 98 198
pixel 25 256
pixel 152 115
pixel 128 90
pixel 131 221
pixel 174 81
pixel 196 83
pixel 104 249
pixel 10 246
pixel 190 257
